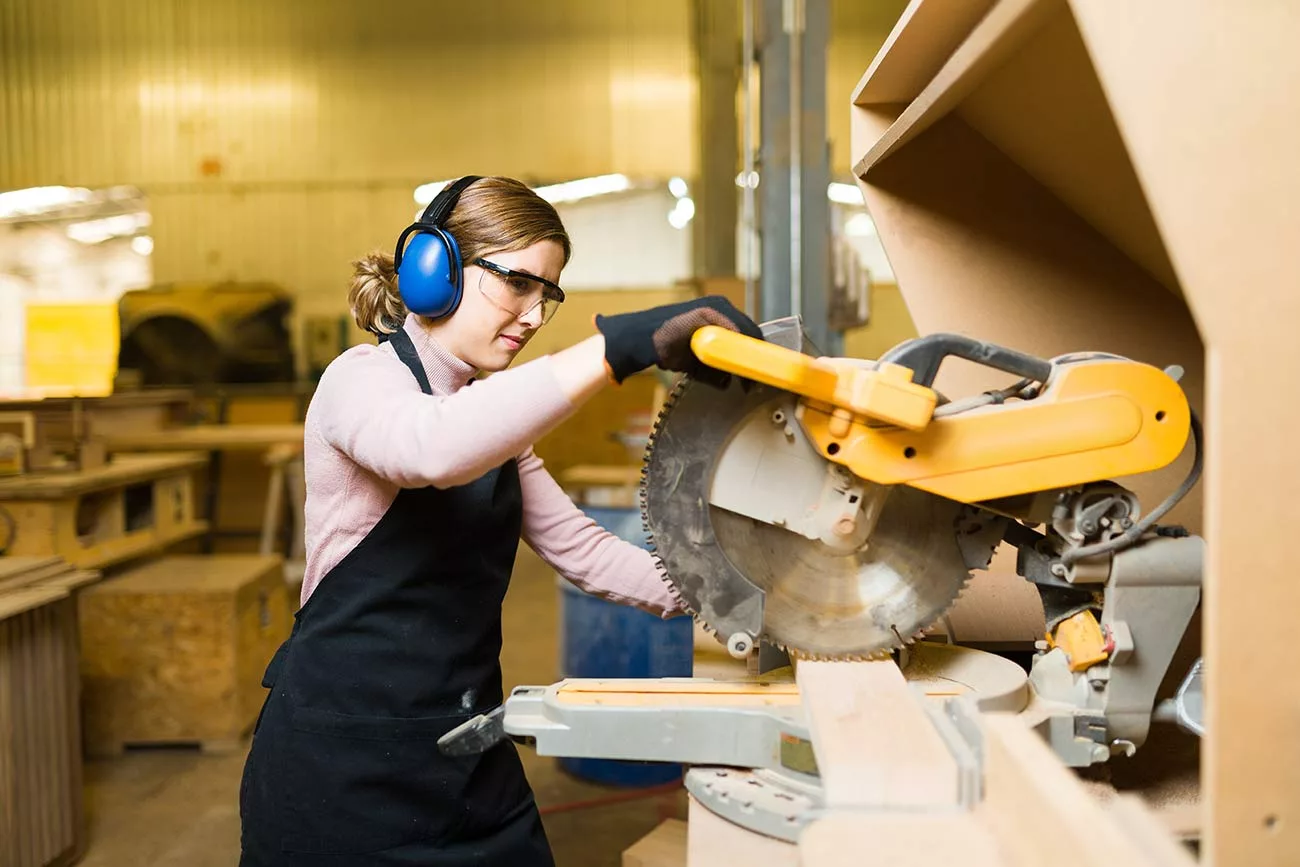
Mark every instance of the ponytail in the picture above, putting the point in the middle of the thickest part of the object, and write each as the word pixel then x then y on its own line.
pixel 376 304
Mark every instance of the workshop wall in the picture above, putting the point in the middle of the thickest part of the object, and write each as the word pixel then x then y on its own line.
pixel 275 141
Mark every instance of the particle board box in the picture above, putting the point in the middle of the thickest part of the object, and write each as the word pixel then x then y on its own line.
pixel 173 650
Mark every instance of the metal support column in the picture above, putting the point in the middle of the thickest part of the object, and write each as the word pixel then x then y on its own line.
pixel 717 57
pixel 794 165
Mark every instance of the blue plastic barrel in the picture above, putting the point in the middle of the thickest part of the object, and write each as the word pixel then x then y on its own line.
pixel 604 639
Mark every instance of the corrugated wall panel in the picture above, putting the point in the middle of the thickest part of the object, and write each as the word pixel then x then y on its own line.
pixel 276 139
pixel 156 92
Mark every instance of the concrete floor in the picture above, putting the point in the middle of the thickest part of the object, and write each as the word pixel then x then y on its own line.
pixel 178 808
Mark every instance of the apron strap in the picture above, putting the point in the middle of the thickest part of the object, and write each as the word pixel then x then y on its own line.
pixel 405 349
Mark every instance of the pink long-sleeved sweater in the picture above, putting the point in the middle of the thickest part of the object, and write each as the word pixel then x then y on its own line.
pixel 370 432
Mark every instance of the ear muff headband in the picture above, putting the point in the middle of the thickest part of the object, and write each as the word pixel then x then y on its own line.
pixel 429 272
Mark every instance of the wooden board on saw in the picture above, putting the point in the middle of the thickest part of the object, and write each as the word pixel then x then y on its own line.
pixel 174 650
pixel 134 505
pixel 42 818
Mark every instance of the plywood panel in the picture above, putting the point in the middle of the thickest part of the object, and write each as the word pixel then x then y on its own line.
pixel 174 649
pixel 1204 96
pixel 1045 109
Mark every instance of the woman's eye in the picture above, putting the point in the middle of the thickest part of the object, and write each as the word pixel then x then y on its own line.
pixel 520 285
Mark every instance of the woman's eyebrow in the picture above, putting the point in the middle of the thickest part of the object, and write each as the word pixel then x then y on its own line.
pixel 533 275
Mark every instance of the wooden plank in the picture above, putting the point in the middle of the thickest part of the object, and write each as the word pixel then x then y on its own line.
pixel 123 470
pixel 209 437
pixel 875 745
pixel 1035 804
pixel 925 35
pixel 18 572
pixel 898 840
pixel 15 602
pixel 990 43
pixel 665 846
pixel 680 686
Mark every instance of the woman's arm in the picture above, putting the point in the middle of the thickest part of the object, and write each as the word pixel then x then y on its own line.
pixel 369 407
pixel 576 547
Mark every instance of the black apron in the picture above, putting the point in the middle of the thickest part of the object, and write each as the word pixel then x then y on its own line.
pixel 398 644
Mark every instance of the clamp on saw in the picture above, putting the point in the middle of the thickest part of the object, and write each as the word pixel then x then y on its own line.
pixel 835 508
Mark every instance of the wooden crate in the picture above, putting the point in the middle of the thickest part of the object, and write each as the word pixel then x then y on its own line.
pixel 135 505
pixel 42 820
pixel 173 650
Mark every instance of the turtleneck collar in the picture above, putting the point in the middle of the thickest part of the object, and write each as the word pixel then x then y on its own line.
pixel 446 372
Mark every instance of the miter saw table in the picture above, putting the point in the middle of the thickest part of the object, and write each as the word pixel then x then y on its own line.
pixel 836 508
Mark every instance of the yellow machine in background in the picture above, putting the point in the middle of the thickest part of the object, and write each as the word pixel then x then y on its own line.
pixel 204 333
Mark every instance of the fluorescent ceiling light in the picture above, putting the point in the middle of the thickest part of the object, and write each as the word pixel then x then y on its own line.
pixel 845 194
pixel 40 200
pixel 584 188
pixel 569 191
pixel 860 226
pixel 681 213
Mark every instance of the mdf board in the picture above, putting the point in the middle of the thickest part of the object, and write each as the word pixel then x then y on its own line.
pixel 41 810
pixel 1063 175
pixel 132 506
pixel 173 650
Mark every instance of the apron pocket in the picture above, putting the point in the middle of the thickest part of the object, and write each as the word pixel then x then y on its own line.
pixel 363 784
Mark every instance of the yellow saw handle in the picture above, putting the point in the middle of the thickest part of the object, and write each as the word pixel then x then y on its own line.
pixel 885 393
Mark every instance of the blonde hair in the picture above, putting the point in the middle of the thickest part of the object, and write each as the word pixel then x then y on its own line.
pixel 492 215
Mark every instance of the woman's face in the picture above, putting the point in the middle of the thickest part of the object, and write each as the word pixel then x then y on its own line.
pixel 498 315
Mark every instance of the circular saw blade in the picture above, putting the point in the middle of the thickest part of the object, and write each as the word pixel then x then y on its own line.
pixel 738 574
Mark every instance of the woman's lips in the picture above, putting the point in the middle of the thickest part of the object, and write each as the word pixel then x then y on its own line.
pixel 512 342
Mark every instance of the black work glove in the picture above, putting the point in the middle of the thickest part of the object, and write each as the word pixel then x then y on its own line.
pixel 662 336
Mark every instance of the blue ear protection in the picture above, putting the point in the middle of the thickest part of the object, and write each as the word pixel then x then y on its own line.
pixel 429 273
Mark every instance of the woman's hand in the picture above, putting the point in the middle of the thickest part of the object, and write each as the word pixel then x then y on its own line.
pixel 631 342
pixel 662 335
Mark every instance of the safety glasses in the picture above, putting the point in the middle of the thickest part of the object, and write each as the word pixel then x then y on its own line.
pixel 518 292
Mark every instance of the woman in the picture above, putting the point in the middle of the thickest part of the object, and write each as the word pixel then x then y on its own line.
pixel 419 489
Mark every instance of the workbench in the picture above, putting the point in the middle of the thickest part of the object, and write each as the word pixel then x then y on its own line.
pixel 133 505
pixel 281 445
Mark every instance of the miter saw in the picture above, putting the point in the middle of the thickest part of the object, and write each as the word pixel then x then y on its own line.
pixel 835 508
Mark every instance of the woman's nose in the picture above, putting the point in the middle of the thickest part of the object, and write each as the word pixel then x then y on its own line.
pixel 533 316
